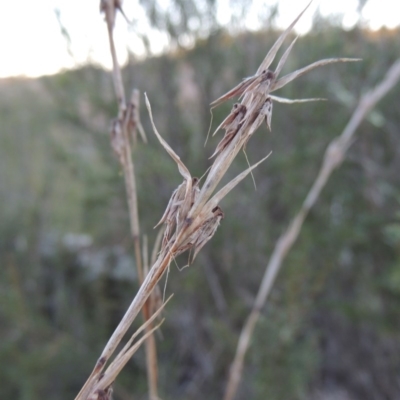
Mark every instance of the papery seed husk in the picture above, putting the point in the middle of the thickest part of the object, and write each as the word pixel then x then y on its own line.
pixel 231 129
pixel 207 231
pixel 269 58
pixel 236 91
pixel 177 196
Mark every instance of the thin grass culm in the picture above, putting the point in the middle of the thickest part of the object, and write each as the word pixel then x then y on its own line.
pixel 194 212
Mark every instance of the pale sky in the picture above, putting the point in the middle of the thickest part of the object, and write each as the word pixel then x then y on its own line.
pixel 32 45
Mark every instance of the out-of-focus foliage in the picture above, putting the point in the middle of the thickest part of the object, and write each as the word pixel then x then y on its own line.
pixel 182 17
pixel 182 22
pixel 67 274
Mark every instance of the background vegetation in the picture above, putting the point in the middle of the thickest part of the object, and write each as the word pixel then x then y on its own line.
pixel 331 327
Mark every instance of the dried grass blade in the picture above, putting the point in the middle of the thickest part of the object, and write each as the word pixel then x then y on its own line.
pixel 293 75
pixel 181 166
pixel 214 201
pixel 284 58
pixel 236 91
pixel 120 363
pixel 121 359
pixel 125 349
pixel 274 49
pixel 284 100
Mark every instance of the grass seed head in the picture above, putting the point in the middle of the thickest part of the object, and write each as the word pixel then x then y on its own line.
pixel 193 215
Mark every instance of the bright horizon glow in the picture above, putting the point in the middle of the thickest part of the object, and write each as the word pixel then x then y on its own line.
pixel 32 44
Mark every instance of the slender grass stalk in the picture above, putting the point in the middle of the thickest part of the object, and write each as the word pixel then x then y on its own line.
pixel 125 116
pixel 333 158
